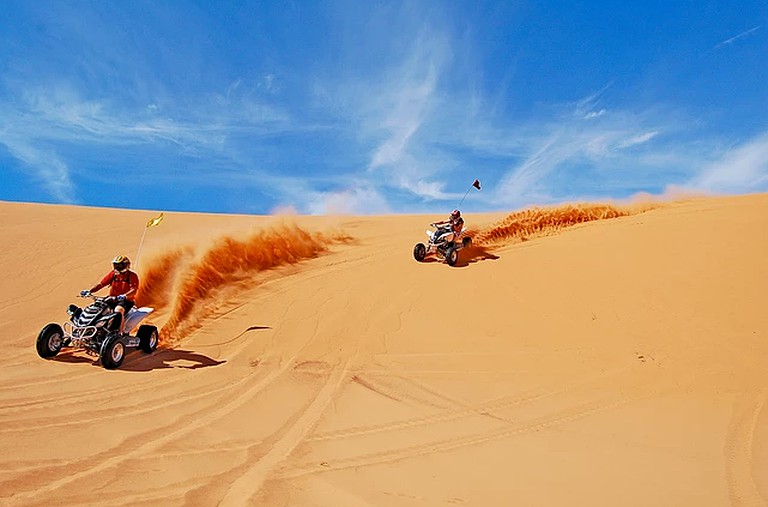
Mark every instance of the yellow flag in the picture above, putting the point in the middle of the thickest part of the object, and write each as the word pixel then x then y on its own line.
pixel 155 221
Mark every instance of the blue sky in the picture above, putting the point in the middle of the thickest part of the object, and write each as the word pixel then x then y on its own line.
pixel 370 107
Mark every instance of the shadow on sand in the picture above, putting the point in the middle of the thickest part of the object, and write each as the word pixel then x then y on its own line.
pixel 162 358
pixel 180 358
pixel 138 361
pixel 75 356
pixel 168 358
pixel 474 254
pixel 467 256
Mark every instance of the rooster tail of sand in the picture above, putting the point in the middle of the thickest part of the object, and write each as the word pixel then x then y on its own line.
pixel 542 221
pixel 188 283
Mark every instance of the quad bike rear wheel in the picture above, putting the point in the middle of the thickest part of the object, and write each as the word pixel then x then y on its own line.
pixel 419 252
pixel 148 338
pixel 50 340
pixel 466 242
pixel 112 352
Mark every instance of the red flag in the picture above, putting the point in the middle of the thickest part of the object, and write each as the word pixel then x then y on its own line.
pixel 476 184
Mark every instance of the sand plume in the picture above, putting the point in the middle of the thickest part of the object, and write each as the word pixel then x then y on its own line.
pixel 193 283
pixel 157 280
pixel 536 221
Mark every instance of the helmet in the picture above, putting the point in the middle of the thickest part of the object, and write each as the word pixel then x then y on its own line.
pixel 121 263
pixel 455 214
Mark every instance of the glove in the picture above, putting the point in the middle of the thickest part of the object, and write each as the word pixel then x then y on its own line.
pixel 85 293
pixel 120 298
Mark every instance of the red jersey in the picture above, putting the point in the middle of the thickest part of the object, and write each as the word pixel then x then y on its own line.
pixel 120 283
pixel 457 225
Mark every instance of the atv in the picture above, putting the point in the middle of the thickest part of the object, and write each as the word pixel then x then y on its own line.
pixel 438 244
pixel 96 329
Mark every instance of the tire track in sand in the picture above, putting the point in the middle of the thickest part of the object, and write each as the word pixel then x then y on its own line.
pixel 93 396
pixel 642 387
pixel 281 444
pixel 195 421
pixel 126 411
pixel 250 482
pixel 402 453
pixel 742 488
pixel 461 410
pixel 199 420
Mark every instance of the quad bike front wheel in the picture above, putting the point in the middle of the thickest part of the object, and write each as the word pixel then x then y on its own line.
pixel 451 256
pixel 112 352
pixel 148 338
pixel 50 340
pixel 419 252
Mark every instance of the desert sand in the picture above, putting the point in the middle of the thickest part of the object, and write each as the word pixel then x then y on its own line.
pixel 311 361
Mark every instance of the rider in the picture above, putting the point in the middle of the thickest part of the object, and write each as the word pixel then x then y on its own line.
pixel 456 226
pixel 123 284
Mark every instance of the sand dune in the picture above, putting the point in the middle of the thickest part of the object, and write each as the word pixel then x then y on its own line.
pixel 582 355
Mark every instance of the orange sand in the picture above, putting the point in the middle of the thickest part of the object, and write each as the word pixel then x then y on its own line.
pixel 621 360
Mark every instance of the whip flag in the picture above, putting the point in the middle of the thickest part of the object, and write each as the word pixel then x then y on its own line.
pixel 475 184
pixel 159 218
pixel 151 223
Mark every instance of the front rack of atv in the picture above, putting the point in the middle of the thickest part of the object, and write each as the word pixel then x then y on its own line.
pixel 79 336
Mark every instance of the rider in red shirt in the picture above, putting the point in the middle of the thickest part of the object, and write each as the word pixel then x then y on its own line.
pixel 123 285
pixel 457 225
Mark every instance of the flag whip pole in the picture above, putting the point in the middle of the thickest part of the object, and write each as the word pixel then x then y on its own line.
pixel 465 196
pixel 152 222
pixel 475 184
pixel 141 243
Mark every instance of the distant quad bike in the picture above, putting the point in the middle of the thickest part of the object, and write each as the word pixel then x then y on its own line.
pixel 438 244
pixel 96 329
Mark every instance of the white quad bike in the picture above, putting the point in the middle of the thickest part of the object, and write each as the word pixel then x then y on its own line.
pixel 96 329
pixel 438 244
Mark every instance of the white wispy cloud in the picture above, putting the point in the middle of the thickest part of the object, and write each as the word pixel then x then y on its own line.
pixel 743 168
pixel 269 83
pixel 361 199
pixel 401 109
pixel 583 106
pixel 61 114
pixel 405 109
pixel 737 37
pixel 430 189
pixel 595 114
pixel 638 139
pixel 46 120
pixel 524 178
pixel 51 172
pixel 566 141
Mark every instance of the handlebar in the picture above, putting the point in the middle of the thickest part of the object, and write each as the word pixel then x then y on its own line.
pixel 97 298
